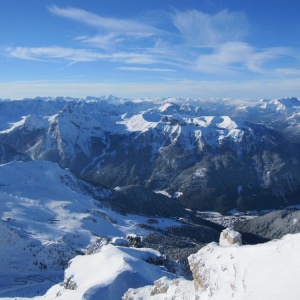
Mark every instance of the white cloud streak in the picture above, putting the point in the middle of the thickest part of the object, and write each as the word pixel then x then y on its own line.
pixel 220 34
pixel 120 26
pixel 138 69
pixel 75 55
pixel 233 57
pixel 201 30
pixel 46 53
pixel 227 58
pixel 106 41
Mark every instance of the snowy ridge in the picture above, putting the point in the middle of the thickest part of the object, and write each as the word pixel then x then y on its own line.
pixel 108 274
pixel 209 129
pixel 128 116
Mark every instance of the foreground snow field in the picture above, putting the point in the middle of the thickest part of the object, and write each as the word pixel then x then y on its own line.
pixel 46 220
pixel 267 271
pixel 41 231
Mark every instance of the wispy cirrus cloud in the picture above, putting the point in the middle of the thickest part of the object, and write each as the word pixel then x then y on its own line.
pixel 233 57
pixel 75 55
pixel 199 29
pixel 106 41
pixel 260 57
pixel 120 26
pixel 139 69
pixel 203 43
pixel 53 53
pixel 112 34
pixel 226 58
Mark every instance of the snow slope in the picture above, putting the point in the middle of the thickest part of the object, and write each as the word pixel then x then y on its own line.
pixel 267 271
pixel 48 217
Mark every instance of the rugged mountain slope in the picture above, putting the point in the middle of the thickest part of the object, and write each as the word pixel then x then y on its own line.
pixel 142 201
pixel 207 162
pixel 8 154
pixel 273 225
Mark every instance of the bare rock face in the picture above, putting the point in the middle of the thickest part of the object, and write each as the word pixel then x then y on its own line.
pixel 162 289
pixel 200 281
pixel 230 237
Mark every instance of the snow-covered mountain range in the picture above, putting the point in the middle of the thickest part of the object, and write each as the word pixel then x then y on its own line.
pixel 209 155
pixel 82 180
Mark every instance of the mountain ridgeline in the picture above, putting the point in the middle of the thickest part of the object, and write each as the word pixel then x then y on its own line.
pixel 204 155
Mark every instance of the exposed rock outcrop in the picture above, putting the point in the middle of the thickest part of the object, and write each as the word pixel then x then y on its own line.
pixel 230 237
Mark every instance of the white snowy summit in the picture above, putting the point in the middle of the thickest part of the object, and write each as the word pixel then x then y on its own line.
pixel 267 271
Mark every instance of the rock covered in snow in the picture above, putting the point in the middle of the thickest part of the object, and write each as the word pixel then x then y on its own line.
pixel 230 237
pixel 120 241
pixel 134 240
pixel 131 239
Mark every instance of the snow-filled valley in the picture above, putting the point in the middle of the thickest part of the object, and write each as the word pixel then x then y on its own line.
pixel 99 196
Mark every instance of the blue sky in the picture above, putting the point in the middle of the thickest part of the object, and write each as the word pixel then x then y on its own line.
pixel 142 48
